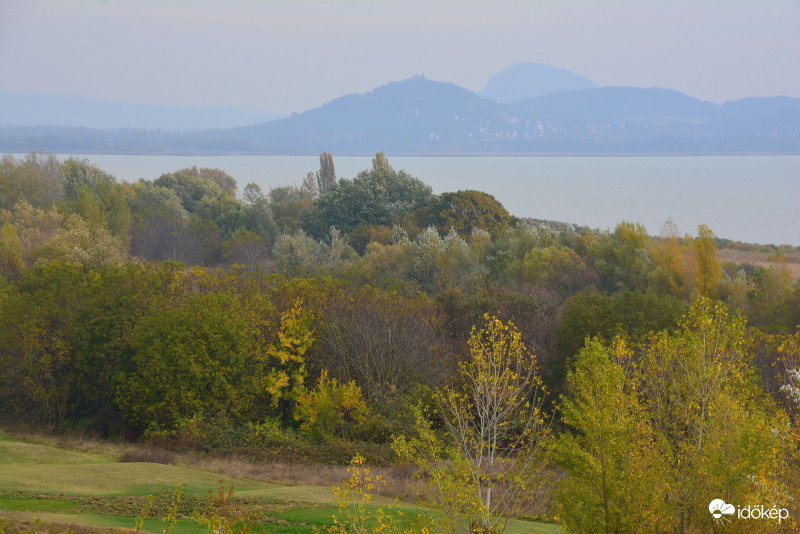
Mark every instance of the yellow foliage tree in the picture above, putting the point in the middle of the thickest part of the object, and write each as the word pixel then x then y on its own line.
pixel 725 437
pixel 285 379
pixel 497 432
pixel 707 271
pixel 330 408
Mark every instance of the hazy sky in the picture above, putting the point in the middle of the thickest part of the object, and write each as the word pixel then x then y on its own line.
pixel 286 56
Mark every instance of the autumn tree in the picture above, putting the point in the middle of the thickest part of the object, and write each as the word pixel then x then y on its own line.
pixel 706 262
pixel 34 226
pixel 330 408
pixel 671 273
pixel 285 379
pixel 496 429
pixel 36 369
pixel 309 186
pixel 224 180
pixel 725 437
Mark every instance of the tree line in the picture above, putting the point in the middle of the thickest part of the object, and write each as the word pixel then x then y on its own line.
pixel 360 314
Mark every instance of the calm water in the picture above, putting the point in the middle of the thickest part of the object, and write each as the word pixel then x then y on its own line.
pixel 747 198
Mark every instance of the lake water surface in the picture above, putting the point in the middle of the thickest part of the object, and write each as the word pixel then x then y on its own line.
pixel 747 198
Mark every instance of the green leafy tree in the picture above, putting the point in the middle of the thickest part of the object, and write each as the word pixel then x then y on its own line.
pixel 771 295
pixel 326 176
pixel 252 194
pixel 229 214
pixel 300 253
pixel 632 315
pixel 466 211
pixel 159 223
pixel 615 476
pixel 380 162
pixel 621 259
pixel 36 178
pixel 446 262
pixel 196 353
pixel 11 259
pixel 558 268
pixel 81 243
pixel 191 185
pixel 288 204
pixel 97 197
pixel 377 196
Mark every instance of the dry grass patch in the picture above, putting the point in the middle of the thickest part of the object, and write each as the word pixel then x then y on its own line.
pixel 759 259
pixel 399 479
pixel 150 454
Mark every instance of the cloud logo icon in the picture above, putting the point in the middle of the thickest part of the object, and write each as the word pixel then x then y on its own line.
pixel 718 508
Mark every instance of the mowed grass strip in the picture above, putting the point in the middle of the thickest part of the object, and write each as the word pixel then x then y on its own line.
pixel 62 486
pixel 24 503
pixel 114 479
pixel 111 522
pixel 39 468
pixel 57 474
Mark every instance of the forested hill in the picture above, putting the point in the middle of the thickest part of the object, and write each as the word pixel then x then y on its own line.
pixel 420 116
pixel 415 115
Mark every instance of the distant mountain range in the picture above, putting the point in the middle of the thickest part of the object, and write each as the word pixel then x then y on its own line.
pixel 559 112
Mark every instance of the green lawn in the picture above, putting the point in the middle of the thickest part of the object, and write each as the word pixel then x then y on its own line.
pixel 63 486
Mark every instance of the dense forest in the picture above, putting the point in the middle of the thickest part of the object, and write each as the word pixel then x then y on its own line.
pixel 610 380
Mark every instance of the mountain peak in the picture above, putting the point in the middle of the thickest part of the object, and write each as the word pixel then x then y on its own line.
pixel 529 80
